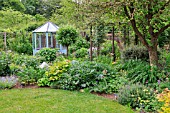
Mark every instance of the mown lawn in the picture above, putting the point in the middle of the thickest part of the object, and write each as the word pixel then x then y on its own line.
pixel 44 100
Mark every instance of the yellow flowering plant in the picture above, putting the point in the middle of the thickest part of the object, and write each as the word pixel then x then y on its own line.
pixel 165 98
pixel 56 70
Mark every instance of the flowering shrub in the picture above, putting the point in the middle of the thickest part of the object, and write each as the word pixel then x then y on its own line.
pixel 165 98
pixel 138 97
pixel 8 82
pixel 54 73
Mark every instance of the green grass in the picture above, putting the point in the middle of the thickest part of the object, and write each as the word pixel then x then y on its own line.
pixel 44 100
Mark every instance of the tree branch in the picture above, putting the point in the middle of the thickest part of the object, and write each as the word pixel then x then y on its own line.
pixel 162 29
pixel 162 8
pixel 133 22
pixel 149 17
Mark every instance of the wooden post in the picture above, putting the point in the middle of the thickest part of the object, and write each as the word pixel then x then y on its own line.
pixel 125 34
pixel 40 41
pixel 5 45
pixel 113 46
pixel 91 44
pixel 47 39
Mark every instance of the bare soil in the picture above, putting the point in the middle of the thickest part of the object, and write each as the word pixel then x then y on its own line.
pixel 109 96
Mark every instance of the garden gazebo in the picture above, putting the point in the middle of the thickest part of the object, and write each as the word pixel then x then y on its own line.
pixel 44 37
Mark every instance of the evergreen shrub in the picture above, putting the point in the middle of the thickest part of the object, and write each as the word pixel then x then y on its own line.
pixel 135 52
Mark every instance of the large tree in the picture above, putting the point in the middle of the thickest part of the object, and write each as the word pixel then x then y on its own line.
pixel 149 18
pixel 13 4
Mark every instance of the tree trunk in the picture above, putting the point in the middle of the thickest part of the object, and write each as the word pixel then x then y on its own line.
pixel 153 56
pixel 113 45
pixel 67 51
pixel 124 35
pixel 136 39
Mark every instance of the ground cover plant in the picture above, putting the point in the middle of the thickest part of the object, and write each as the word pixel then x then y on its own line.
pixel 139 97
pixel 25 67
pixel 8 82
pixel 43 100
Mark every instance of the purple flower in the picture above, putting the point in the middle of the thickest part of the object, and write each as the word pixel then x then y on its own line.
pixel 159 81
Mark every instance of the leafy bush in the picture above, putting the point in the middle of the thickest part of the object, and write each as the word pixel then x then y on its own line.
pixel 43 81
pixel 140 71
pixel 30 75
pixel 80 53
pixel 48 53
pixel 20 44
pixel 54 73
pixel 96 77
pixel 138 97
pixel 66 36
pixel 105 59
pixel 80 43
pixel 4 64
pixel 135 52
pixel 26 60
pixel 8 82
pixel 165 98
pixel 106 48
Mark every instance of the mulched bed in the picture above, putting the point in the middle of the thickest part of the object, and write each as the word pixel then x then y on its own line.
pixel 18 86
pixel 109 96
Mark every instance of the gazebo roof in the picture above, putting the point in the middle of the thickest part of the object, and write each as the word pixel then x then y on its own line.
pixel 47 27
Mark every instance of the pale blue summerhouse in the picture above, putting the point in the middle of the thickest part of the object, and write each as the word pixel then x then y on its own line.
pixel 44 37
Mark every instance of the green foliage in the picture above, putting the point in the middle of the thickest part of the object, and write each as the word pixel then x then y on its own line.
pixel 80 43
pixel 30 75
pixel 14 4
pixel 54 73
pixel 139 71
pixel 105 59
pixel 135 52
pixel 4 64
pixel 23 66
pixel 14 20
pixel 164 38
pixel 31 6
pixel 43 82
pixel 21 44
pixel 67 35
pixel 48 53
pixel 94 76
pixel 106 48
pixel 100 35
pixel 80 53
pixel 138 97
pixel 26 60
